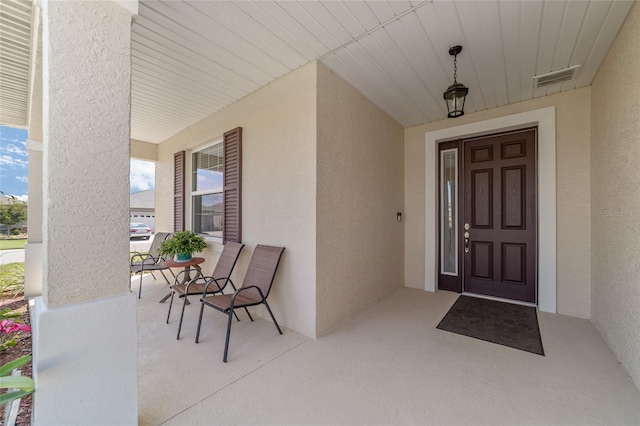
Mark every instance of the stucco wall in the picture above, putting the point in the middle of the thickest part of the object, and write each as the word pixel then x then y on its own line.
pixel 360 189
pixel 573 194
pixel 86 111
pixel 615 195
pixel 144 150
pixel 278 186
pixel 84 333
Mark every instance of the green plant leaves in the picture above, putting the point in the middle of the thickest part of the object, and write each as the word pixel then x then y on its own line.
pixel 8 314
pixel 185 242
pixel 6 369
pixel 6 398
pixel 24 385
pixel 19 382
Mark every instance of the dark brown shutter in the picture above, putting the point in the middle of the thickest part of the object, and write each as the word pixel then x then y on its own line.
pixel 178 191
pixel 232 185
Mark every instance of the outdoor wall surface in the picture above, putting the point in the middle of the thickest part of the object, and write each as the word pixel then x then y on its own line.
pixel 573 194
pixel 34 216
pixel 33 249
pixel 84 333
pixel 86 125
pixel 144 150
pixel 360 189
pixel 615 196
pixel 278 186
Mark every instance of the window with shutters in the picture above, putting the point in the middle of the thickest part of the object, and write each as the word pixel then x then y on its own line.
pixel 216 184
pixel 207 185
pixel 232 141
pixel 178 191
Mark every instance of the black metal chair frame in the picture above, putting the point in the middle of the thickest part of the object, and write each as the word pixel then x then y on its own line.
pixel 144 258
pixel 207 281
pixel 229 311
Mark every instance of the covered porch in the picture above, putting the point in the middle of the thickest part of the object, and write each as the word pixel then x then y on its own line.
pixel 386 365
pixel 339 129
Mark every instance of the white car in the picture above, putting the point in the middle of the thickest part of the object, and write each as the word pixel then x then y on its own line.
pixel 139 230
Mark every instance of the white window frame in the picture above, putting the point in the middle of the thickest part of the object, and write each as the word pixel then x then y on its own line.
pixel 193 194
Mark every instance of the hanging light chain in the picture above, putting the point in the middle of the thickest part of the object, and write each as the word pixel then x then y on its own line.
pixel 455 68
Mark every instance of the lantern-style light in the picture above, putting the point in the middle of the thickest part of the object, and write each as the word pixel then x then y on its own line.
pixel 456 94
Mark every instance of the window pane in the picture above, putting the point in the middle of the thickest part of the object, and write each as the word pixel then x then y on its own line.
pixel 208 169
pixel 207 214
pixel 448 196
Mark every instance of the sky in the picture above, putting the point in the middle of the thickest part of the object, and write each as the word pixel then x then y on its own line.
pixel 143 175
pixel 14 162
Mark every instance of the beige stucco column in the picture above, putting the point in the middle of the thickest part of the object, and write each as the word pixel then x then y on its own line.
pixel 33 249
pixel 86 107
pixel 84 338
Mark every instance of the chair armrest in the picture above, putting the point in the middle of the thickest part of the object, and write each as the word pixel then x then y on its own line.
pixel 211 280
pixel 135 254
pixel 176 281
pixel 241 289
pixel 143 257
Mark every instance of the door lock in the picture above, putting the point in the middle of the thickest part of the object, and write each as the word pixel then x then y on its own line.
pixel 466 238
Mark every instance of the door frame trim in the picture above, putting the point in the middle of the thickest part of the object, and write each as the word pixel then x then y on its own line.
pixel 545 120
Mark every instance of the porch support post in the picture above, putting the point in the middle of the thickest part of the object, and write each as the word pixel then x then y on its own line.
pixel 84 325
pixel 33 248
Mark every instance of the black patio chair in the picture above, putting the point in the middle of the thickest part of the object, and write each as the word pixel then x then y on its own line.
pixel 201 286
pixel 151 261
pixel 254 291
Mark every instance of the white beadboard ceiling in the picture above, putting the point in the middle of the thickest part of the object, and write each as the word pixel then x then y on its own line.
pixel 15 45
pixel 193 58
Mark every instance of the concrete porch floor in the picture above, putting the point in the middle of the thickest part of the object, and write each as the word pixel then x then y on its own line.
pixel 387 365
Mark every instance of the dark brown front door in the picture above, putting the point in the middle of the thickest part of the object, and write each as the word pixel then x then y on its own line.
pixel 500 215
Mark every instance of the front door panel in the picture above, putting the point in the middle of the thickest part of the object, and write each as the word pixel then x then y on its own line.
pixel 500 251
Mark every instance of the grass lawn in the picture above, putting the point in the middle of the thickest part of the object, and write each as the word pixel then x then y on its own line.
pixel 12 244
pixel 11 279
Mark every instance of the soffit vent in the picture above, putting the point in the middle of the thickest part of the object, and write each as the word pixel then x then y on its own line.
pixel 554 77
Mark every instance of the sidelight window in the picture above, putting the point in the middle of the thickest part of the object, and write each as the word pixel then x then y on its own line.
pixel 449 212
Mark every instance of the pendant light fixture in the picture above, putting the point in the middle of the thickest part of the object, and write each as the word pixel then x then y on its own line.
pixel 456 94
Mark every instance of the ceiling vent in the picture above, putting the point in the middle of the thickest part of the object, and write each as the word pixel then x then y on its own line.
pixel 554 77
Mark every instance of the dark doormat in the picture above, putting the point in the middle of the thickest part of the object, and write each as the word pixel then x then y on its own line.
pixel 497 322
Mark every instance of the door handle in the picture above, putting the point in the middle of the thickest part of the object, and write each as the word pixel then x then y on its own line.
pixel 466 238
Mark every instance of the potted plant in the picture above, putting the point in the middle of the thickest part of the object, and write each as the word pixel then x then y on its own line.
pixel 182 245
